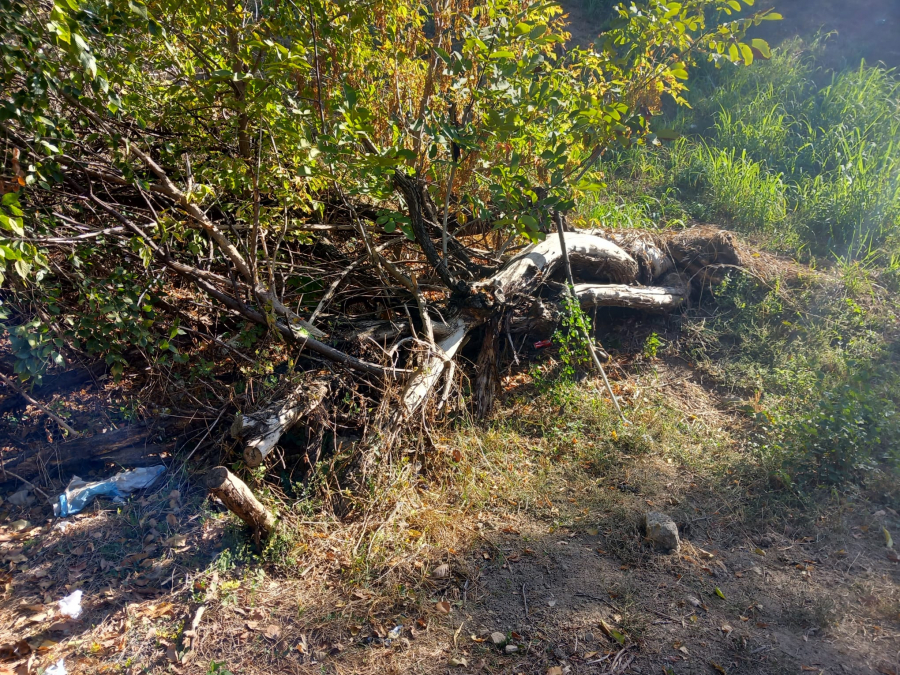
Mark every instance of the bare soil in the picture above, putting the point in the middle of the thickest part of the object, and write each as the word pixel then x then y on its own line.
pixel 763 583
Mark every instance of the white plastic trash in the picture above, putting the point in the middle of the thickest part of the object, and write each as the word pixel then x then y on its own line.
pixel 79 493
pixel 71 605
pixel 58 668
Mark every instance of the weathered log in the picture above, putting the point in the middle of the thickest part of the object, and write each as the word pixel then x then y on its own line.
pixel 234 493
pixel 132 445
pixel 648 250
pixel 592 257
pixel 654 299
pixel 426 377
pixel 261 430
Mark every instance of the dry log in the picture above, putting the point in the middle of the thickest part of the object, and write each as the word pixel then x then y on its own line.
pixel 654 299
pixel 591 256
pixel 130 445
pixel 239 499
pixel 426 377
pixel 650 253
pixel 261 430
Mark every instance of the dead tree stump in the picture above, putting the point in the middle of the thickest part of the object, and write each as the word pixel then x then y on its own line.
pixel 240 500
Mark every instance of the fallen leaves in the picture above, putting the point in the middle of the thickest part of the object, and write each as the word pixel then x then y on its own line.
pixel 443 607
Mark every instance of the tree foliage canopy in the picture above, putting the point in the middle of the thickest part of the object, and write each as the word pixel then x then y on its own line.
pixel 153 150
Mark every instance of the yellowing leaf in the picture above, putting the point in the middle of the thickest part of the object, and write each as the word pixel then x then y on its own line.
pixel 720 593
pixel 888 541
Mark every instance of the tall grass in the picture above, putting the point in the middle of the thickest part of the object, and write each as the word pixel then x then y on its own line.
pixel 808 159
pixel 831 146
pixel 808 162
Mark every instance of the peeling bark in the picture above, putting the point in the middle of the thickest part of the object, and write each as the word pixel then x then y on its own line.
pixel 654 299
pixel 261 430
pixel 590 255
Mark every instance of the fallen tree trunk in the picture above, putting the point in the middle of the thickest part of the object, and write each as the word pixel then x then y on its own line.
pixel 234 493
pixel 651 255
pixel 591 256
pixel 654 299
pixel 261 430
pixel 131 446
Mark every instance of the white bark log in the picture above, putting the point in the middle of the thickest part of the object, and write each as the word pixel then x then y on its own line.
pixel 651 255
pixel 659 299
pixel 590 255
pixel 425 378
pixel 261 430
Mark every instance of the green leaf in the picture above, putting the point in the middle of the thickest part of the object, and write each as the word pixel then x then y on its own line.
pixel 522 28
pixel 23 268
pixel 762 47
pixel 502 54
pixel 771 16
pixel 138 8
pixel 720 593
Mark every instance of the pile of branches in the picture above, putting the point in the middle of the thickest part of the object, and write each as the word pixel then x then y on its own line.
pixel 351 180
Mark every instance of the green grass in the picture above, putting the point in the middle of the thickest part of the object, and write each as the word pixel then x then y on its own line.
pixel 804 162
pixel 806 158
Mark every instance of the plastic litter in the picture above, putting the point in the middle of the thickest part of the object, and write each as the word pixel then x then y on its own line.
pixel 71 605
pixel 58 668
pixel 62 525
pixel 79 493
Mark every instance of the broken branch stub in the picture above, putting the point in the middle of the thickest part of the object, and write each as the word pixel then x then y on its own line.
pixel 234 493
pixel 261 430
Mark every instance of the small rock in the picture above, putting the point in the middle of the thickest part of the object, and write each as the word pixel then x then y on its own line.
pixel 21 498
pixel 662 531
pixel 510 649
pixel 765 542
pixel 498 638
pixel 588 637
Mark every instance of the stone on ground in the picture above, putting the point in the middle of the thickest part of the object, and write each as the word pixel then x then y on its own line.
pixel 662 531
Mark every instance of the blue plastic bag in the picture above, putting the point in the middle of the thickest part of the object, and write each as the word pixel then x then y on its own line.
pixel 79 493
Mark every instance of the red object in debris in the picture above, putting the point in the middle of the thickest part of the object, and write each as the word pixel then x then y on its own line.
pixel 542 344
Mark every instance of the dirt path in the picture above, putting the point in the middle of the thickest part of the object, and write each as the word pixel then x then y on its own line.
pixel 789 610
